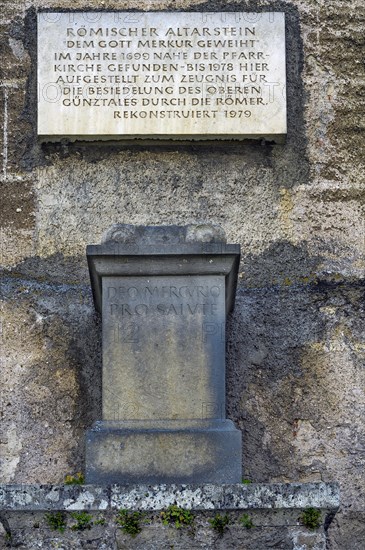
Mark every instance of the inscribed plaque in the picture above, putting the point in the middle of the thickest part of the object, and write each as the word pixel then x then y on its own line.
pixel 168 75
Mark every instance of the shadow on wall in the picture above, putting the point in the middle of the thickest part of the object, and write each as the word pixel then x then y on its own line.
pixel 62 387
pixel 277 369
pixel 51 378
pixel 294 356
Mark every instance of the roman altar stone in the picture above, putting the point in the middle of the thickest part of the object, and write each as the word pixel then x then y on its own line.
pixel 163 294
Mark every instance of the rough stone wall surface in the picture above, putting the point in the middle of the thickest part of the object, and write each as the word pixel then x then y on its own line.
pixel 257 517
pixel 296 350
pixel 280 531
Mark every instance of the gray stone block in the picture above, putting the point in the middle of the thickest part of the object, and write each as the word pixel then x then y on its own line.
pixel 207 452
pixel 164 293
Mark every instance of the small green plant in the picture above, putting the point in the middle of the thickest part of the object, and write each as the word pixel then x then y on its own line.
pixel 56 521
pixel 83 521
pixel 177 516
pixel 100 521
pixel 77 479
pixel 246 521
pixel 246 481
pixel 311 518
pixel 219 523
pixel 129 522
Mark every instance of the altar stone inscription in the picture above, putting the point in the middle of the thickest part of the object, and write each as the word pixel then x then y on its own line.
pixel 168 75
pixel 163 345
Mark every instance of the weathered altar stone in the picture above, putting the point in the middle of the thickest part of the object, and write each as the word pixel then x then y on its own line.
pixel 180 75
pixel 163 293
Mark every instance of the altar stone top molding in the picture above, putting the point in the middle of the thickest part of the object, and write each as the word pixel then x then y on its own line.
pixel 161 75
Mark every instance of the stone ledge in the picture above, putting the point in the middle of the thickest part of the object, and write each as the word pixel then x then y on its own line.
pixel 31 498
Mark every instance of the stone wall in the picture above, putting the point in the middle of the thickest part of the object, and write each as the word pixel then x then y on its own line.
pixel 295 356
pixel 140 517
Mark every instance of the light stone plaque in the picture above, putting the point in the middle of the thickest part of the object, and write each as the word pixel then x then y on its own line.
pixel 168 75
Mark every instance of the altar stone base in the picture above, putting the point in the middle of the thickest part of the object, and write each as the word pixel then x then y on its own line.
pixel 201 452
